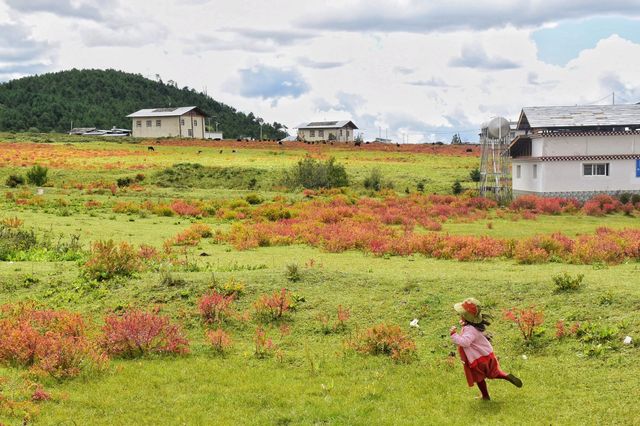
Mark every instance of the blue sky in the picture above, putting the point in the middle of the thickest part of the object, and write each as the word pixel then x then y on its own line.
pixel 564 42
pixel 416 70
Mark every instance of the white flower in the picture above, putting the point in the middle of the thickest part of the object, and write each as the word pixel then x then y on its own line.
pixel 524 356
pixel 627 340
pixel 414 323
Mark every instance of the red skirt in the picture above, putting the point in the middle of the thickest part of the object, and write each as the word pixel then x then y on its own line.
pixel 485 367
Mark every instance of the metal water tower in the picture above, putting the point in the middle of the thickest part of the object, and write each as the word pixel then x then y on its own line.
pixel 495 167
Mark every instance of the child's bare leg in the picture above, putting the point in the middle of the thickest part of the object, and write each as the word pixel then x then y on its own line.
pixel 483 389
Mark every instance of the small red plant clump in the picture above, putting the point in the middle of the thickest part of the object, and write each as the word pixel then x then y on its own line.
pixel 138 333
pixel 343 317
pixel 39 394
pixel 275 306
pixel 215 307
pixel 185 208
pixel 264 346
pixel 109 260
pixel 528 320
pixel 219 340
pixel 50 342
pixel 388 340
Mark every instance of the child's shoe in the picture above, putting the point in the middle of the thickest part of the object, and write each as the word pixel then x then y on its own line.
pixel 514 380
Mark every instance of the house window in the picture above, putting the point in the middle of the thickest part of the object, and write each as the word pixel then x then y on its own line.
pixel 182 121
pixel 195 122
pixel 158 123
pixel 518 171
pixel 347 134
pixel 597 169
pixel 312 133
pixel 138 123
pixel 190 132
pixel 535 171
pixel 148 123
pixel 321 133
pixel 340 132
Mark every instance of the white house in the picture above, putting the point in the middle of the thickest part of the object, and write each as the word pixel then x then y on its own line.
pixel 318 131
pixel 182 122
pixel 577 151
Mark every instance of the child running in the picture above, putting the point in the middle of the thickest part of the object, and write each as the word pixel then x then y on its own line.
pixel 475 350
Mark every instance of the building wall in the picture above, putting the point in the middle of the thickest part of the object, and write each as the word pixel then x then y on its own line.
pixel 305 135
pixel 526 181
pixel 567 176
pixel 588 145
pixel 169 127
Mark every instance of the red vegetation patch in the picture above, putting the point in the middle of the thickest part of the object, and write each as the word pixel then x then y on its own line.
pixel 50 342
pixel 137 333
pixel 384 339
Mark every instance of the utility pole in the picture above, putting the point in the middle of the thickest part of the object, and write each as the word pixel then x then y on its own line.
pixel 613 98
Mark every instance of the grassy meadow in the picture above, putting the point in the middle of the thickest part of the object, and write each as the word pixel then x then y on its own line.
pixel 311 374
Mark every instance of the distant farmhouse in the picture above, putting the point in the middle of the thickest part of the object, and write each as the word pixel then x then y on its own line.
pixel 183 122
pixel 318 131
pixel 577 151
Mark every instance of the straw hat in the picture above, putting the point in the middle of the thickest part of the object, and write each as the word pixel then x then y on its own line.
pixel 469 309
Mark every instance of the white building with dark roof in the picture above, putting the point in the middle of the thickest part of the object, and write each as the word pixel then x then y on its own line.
pixel 577 151
pixel 319 131
pixel 181 122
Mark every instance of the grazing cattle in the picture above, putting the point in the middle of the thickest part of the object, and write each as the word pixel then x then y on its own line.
pixel 398 145
pixel 233 150
pixel 220 151
pixel 279 142
pixel 150 148
pixel 199 152
pixel 469 150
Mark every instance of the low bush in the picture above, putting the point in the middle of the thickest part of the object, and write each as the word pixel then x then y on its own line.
pixel 109 260
pixel 313 174
pixel 528 320
pixel 253 199
pixel 219 340
pixel 124 182
pixel 215 307
pixel 456 188
pixel 374 180
pixel 565 282
pixel 475 175
pixel 384 339
pixel 137 333
pixel 274 306
pixel 293 273
pixel 37 175
pixel 14 180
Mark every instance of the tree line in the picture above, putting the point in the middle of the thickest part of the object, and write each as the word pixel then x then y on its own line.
pixel 103 98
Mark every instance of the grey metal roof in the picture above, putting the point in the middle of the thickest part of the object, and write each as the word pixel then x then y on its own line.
pixel 579 116
pixel 164 112
pixel 327 125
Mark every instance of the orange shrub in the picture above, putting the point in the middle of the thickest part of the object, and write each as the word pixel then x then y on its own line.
pixel 109 260
pixel 384 339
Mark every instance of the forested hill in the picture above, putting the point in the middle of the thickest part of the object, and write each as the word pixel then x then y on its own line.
pixel 103 99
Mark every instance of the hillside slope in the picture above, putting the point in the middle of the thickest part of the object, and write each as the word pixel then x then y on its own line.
pixel 103 98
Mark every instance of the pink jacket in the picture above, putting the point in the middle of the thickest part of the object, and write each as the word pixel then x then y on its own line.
pixel 473 343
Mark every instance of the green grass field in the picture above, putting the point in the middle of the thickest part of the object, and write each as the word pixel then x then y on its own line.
pixel 314 378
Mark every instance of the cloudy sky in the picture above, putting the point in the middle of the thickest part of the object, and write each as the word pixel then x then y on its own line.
pixel 416 70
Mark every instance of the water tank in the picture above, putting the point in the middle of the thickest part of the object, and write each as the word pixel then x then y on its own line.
pixel 498 128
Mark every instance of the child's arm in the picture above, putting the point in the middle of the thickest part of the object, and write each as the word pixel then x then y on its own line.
pixel 463 339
